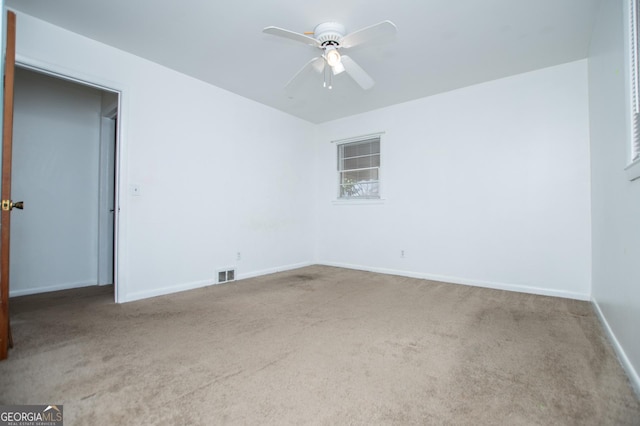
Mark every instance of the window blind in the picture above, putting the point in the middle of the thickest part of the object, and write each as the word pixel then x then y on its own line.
pixel 359 169
pixel 635 79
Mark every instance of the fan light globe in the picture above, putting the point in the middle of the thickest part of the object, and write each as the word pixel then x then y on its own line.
pixel 333 57
pixel 338 68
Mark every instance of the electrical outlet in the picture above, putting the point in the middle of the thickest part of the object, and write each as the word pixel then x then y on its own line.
pixel 402 253
pixel 238 256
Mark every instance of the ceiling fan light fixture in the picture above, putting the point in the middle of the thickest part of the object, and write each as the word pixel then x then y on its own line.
pixel 332 56
pixel 337 68
pixel 330 38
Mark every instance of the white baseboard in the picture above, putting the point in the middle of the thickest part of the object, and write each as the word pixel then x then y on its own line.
pixel 138 295
pixel 145 294
pixel 273 270
pixel 632 374
pixel 47 289
pixel 476 283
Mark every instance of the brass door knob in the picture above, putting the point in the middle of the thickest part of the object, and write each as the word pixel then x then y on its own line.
pixel 8 205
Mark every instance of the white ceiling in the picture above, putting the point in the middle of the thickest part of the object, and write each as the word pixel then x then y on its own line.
pixel 441 44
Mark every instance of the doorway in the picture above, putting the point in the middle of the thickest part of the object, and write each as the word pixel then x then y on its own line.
pixel 64 169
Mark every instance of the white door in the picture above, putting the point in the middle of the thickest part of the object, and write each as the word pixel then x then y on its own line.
pixel 107 213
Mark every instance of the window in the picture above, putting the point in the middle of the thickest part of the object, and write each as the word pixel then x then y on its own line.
pixel 633 170
pixel 359 169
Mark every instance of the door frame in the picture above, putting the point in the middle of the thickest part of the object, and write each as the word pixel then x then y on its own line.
pixel 119 278
pixel 106 191
pixel 8 72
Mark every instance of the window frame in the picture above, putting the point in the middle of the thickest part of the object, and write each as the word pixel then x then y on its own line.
pixel 633 83
pixel 357 200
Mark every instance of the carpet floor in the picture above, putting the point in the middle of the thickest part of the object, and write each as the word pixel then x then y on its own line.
pixel 317 345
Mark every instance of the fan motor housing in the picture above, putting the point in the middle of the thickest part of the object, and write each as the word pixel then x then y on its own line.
pixel 329 33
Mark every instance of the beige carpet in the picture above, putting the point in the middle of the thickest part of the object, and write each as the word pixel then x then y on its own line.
pixel 317 345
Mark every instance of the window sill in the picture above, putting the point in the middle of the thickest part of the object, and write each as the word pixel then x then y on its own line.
pixel 355 201
pixel 633 170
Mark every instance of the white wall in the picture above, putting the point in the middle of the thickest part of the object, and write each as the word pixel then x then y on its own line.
pixel 56 135
pixel 615 200
pixel 487 185
pixel 217 173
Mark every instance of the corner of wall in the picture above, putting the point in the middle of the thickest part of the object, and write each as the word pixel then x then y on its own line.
pixel 632 374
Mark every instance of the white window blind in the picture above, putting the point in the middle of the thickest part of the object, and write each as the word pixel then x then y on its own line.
pixel 635 81
pixel 359 169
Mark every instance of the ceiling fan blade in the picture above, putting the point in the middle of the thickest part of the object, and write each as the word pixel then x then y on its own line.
pixel 381 29
pixel 316 64
pixel 357 73
pixel 280 32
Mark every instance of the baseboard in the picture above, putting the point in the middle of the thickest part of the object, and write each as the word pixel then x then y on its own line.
pixel 139 295
pixel 632 374
pixel 273 270
pixel 464 281
pixel 47 289
pixel 145 294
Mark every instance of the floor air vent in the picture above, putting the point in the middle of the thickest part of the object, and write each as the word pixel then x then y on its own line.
pixel 226 275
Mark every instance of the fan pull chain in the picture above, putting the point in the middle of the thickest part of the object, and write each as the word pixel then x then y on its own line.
pixel 324 75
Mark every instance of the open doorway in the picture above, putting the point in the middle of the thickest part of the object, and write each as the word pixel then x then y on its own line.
pixel 64 169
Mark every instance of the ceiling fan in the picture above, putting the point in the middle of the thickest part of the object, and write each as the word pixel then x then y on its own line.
pixel 330 38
